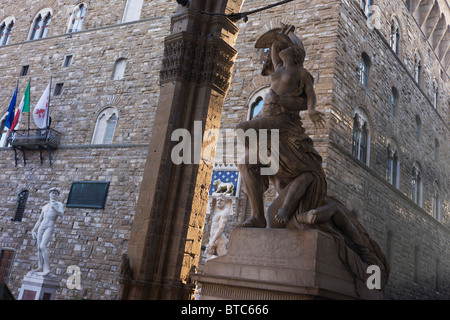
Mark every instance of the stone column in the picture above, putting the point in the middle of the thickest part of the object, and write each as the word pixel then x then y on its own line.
pixel 165 242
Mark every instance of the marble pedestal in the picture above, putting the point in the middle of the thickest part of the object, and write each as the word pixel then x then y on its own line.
pixel 36 287
pixel 281 264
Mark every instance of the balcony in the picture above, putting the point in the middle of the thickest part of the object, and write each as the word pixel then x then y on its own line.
pixel 34 139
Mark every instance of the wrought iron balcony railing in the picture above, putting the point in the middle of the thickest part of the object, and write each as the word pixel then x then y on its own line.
pixel 34 139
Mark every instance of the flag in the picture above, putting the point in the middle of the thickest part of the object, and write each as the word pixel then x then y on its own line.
pixel 24 106
pixel 10 118
pixel 40 113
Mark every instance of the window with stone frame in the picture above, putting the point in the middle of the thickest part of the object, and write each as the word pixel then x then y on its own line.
pixel 132 10
pixel 361 137
pixel 392 165
pixel 364 69
pixel 105 126
pixel 417 69
pixel 435 94
pixel 6 28
pixel 394 101
pixel 394 39
pixel 77 18
pixel 416 183
pixel 436 201
pixel 119 69
pixel 41 25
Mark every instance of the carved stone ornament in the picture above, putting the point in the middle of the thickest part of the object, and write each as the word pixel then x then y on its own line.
pixel 197 59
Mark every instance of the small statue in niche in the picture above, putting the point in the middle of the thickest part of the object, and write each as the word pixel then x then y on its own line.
pixel 43 231
pixel 218 241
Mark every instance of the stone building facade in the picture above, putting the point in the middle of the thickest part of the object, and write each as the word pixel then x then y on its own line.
pixel 381 78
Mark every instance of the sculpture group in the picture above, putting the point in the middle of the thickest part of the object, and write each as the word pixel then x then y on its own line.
pixel 302 201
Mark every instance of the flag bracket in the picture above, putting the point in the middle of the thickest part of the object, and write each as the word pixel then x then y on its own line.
pixel 35 139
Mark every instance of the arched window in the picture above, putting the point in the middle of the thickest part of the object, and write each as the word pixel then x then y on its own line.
pixel 435 94
pixel 41 25
pixel 394 101
pixel 77 18
pixel 416 182
pixel 366 7
pixel 364 69
pixel 394 40
pixel 361 137
pixel 436 201
pixel 392 165
pixel 418 129
pixel 256 102
pixel 133 10
pixel 417 69
pixel 6 28
pixel 119 69
pixel 105 126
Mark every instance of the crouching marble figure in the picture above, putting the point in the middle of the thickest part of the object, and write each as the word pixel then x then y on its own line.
pixel 43 232
pixel 217 245
pixel 302 201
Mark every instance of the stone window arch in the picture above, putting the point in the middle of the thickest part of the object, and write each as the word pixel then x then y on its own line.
pixel 361 136
pixel 393 164
pixel 6 29
pixel 119 69
pixel 41 24
pixel 105 126
pixel 77 18
pixel 435 97
pixel 256 102
pixel 416 183
pixel 418 69
pixel 395 36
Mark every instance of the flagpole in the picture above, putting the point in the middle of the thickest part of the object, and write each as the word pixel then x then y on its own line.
pixel 48 108
pixel 29 111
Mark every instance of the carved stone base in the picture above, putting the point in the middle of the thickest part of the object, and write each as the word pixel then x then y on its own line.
pixel 36 287
pixel 281 264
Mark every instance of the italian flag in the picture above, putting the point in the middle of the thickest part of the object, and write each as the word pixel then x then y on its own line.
pixel 23 107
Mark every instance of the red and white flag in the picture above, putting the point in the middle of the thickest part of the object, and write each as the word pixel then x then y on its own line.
pixel 40 113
